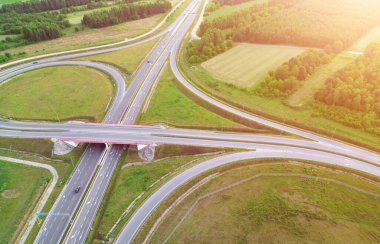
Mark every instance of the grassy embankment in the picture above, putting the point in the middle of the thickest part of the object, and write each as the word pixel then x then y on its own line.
pixel 316 205
pixel 57 93
pixel 132 180
pixel 127 59
pixel 170 106
pixel 20 187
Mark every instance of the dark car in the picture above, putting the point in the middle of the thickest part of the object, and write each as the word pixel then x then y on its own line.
pixel 77 189
pixel 35 62
pixel 149 62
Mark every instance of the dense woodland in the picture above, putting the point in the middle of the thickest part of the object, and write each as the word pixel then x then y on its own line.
pixel 356 88
pixel 121 14
pixel 290 76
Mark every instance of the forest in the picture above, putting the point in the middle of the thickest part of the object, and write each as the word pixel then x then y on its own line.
pixel 308 23
pixel 33 26
pixel 287 78
pixel 356 88
pixel 116 15
pixel 41 5
pixel 213 42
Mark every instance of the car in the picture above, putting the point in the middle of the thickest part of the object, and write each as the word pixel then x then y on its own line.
pixel 35 62
pixel 149 62
pixel 77 189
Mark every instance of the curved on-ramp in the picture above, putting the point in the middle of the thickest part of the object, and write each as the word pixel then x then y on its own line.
pixel 145 210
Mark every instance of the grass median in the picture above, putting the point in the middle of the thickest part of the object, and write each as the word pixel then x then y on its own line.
pixel 170 106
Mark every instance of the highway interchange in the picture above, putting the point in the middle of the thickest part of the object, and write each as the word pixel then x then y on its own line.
pixel 97 165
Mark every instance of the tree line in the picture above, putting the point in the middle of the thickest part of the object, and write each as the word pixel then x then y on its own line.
pixel 41 5
pixel 355 88
pixel 33 26
pixel 213 42
pixel 298 23
pixel 288 77
pixel 116 15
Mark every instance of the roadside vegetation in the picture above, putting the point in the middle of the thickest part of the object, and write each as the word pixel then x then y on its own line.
pixel 351 96
pixel 57 93
pixel 121 14
pixel 20 187
pixel 311 90
pixel 274 108
pixel 297 202
pixel 136 177
pixel 126 59
pixel 37 27
pixel 170 106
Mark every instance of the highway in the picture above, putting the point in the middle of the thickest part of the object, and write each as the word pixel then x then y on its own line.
pixel 141 85
pixel 99 161
pixel 121 134
pixel 54 227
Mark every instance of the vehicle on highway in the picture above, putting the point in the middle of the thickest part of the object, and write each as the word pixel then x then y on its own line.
pixel 35 62
pixel 77 189
pixel 149 62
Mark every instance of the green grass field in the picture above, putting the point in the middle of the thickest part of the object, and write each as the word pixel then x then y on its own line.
pixel 19 188
pixel 126 59
pixel 303 117
pixel 245 64
pixel 57 93
pixel 315 206
pixel 168 105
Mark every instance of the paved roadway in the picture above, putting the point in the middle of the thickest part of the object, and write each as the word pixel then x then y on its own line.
pixel 150 204
pixel 123 134
pixel 148 135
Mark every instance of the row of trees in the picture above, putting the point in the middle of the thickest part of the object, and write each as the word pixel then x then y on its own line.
pixel 213 42
pixel 290 76
pixel 33 26
pixel 41 5
pixel 7 56
pixel 121 14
